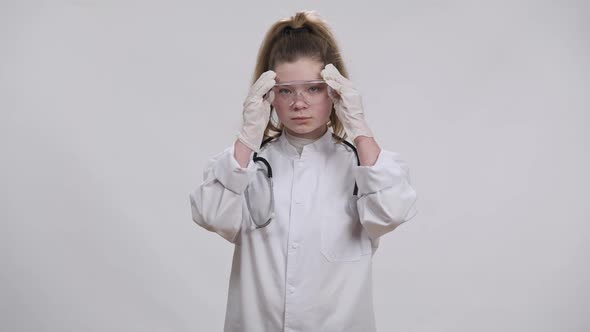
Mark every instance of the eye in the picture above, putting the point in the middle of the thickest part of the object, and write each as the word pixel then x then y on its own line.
pixel 284 91
pixel 316 88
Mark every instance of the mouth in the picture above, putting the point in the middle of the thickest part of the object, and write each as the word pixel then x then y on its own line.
pixel 301 118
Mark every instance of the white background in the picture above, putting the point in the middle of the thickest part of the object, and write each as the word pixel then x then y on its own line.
pixel 110 110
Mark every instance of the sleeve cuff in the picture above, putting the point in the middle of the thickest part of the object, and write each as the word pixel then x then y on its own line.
pixel 388 171
pixel 229 172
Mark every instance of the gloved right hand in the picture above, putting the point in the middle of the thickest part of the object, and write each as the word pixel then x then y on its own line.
pixel 256 112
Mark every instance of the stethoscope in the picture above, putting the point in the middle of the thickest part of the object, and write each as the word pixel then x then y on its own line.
pixel 256 158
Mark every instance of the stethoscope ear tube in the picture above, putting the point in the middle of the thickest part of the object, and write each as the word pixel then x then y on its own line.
pixel 358 162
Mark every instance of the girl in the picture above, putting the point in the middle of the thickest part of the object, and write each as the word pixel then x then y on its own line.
pixel 304 213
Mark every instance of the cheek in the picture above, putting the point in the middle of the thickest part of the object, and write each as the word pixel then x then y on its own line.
pixel 281 114
pixel 324 110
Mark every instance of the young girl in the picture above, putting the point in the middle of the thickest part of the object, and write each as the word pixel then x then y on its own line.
pixel 304 212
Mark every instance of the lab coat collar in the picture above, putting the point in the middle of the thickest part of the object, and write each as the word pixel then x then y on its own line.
pixel 321 145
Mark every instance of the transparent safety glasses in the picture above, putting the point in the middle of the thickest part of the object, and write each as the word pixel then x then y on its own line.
pixel 312 92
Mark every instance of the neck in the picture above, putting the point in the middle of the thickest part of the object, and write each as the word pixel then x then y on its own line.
pixel 300 141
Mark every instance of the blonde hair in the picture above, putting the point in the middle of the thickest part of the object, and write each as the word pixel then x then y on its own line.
pixel 314 40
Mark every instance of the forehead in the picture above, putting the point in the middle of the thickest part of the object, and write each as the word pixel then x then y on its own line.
pixel 304 69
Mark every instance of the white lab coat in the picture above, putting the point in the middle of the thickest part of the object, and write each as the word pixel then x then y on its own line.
pixel 310 268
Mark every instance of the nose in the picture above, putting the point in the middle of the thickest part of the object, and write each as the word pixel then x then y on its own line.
pixel 300 102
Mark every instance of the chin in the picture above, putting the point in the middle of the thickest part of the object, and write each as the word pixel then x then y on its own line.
pixel 304 129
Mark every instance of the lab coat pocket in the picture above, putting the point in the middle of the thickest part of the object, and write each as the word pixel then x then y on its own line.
pixel 343 238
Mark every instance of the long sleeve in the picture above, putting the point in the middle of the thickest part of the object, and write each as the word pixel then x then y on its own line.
pixel 386 197
pixel 218 204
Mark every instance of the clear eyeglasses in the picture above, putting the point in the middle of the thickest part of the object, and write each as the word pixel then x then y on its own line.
pixel 312 92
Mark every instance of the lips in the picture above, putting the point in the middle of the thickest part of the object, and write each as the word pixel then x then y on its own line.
pixel 301 118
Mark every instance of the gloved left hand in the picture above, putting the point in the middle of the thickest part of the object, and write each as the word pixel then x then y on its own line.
pixel 347 103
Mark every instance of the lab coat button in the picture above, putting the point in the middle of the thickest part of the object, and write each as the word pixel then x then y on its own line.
pixel 291 290
pixel 294 246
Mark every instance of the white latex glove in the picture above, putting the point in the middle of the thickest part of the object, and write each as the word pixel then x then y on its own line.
pixel 347 103
pixel 256 112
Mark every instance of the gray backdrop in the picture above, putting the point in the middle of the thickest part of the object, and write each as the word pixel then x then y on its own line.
pixel 110 110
